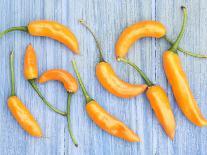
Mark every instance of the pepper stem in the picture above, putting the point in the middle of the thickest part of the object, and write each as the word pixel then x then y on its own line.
pixel 69 122
pixel 88 98
pixel 19 28
pixel 142 74
pixel 101 59
pixel 12 73
pixel 184 51
pixel 35 87
pixel 174 47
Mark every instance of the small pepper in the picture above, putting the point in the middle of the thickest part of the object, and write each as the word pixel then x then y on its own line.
pixel 179 82
pixel 31 74
pixel 61 75
pixel 51 29
pixel 102 118
pixel 108 78
pixel 70 85
pixel 19 110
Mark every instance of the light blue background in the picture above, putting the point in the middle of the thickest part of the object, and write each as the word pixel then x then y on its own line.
pixel 108 18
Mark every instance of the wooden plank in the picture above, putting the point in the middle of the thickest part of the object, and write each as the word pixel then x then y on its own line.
pixel 107 18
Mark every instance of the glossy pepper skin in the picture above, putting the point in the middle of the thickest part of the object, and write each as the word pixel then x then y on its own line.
pixel 61 75
pixel 51 29
pixel 19 110
pixel 109 79
pixel 181 89
pixel 102 118
pixel 135 32
pixel 179 83
pixel 30 64
pixel 24 117
pixel 109 123
pixel 56 31
pixel 163 111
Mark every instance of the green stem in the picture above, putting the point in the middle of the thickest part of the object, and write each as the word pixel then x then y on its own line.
pixel 184 51
pixel 88 98
pixel 143 75
pixel 12 73
pixel 101 59
pixel 34 86
pixel 174 47
pixel 69 122
pixel 19 28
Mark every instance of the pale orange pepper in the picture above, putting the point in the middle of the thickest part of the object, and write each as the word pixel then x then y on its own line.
pixel 20 111
pixel 51 29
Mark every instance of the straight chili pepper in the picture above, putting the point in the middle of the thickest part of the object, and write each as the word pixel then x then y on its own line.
pixel 51 29
pixel 140 30
pixel 108 78
pixel 70 85
pixel 31 74
pixel 19 110
pixel 179 82
pixel 159 102
pixel 102 118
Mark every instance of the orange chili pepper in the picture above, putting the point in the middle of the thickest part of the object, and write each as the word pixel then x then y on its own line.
pixel 110 81
pixel 30 64
pixel 70 85
pixel 144 29
pixel 51 29
pixel 19 110
pixel 137 31
pixel 159 102
pixel 179 82
pixel 31 74
pixel 61 75
pixel 103 119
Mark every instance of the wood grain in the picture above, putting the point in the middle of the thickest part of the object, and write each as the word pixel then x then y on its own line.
pixel 108 18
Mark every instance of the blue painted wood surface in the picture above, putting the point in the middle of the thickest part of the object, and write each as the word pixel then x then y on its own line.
pixel 108 18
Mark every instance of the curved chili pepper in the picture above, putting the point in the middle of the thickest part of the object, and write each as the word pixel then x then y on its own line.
pixel 136 31
pixel 140 30
pixel 19 110
pixel 61 75
pixel 102 118
pixel 51 29
pixel 31 74
pixel 108 78
pixel 159 102
pixel 179 82
pixel 70 85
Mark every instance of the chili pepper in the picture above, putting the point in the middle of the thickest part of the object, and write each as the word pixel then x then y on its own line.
pixel 31 74
pixel 102 118
pixel 51 29
pixel 108 78
pixel 159 102
pixel 19 110
pixel 179 82
pixel 63 76
pixel 70 85
pixel 140 30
